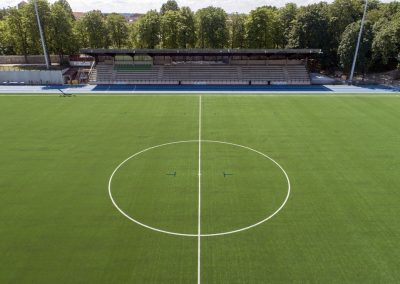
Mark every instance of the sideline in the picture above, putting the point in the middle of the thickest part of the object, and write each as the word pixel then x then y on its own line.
pixel 116 89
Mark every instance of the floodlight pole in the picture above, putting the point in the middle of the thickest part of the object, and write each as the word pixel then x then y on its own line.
pixel 353 67
pixel 46 57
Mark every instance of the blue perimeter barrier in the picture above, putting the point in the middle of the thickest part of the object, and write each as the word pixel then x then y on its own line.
pixel 217 88
pixel 189 88
pixel 223 88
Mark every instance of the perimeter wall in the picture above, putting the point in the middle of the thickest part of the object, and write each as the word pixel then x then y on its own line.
pixel 34 77
pixel 30 59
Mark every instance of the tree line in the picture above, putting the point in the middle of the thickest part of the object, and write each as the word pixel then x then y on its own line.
pixel 332 27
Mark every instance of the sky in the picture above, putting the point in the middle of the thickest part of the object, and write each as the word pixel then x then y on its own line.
pixel 141 6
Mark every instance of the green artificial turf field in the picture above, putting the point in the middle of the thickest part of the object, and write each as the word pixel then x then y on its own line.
pixel 339 225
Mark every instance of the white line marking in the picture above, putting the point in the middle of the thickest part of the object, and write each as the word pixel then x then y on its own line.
pixel 221 94
pixel 199 207
pixel 196 235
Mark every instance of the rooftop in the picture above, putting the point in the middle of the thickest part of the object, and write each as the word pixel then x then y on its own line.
pixel 197 51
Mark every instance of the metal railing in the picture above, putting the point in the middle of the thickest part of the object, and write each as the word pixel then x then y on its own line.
pixel 91 69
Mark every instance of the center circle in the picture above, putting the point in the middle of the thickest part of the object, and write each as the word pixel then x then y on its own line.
pixel 173 174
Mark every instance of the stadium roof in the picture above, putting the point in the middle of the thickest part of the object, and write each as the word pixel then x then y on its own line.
pixel 194 52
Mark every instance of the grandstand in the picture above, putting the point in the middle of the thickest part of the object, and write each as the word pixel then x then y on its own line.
pixel 201 66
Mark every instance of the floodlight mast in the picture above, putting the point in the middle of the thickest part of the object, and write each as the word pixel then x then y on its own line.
pixel 353 67
pixel 46 57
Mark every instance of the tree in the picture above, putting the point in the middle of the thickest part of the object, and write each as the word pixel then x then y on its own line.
pixel 389 10
pixel 286 18
pixel 3 36
pixel 212 30
pixel 94 30
pixel 348 43
pixel 61 37
pixel 117 29
pixel 148 30
pixel 169 27
pixel 6 46
pixel 375 12
pixel 170 5
pixel 385 38
pixel 66 7
pixel 259 26
pixel 311 30
pixel 386 44
pixel 178 29
pixel 342 13
pixel 276 29
pixel 18 25
pixel 237 30
pixel 33 29
pixel 132 41
pixel 3 13
pixel 80 33
pixel 186 29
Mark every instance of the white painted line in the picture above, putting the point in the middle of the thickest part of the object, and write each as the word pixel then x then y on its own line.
pixel 273 214
pixel 221 94
pixel 196 234
pixel 125 214
pixel 199 206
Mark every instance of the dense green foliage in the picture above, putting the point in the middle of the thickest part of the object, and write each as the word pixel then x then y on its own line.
pixel 311 29
pixel 117 29
pixel 347 47
pixel 259 27
pixel 95 29
pixel 212 29
pixel 178 29
pixel 237 30
pixel 170 5
pixel 61 28
pixel 285 22
pixel 386 45
pixel 340 224
pixel 148 30
pixel 330 27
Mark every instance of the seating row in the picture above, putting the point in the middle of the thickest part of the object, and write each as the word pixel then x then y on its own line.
pixel 187 74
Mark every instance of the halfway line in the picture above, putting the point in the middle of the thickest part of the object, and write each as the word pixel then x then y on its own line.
pixel 199 206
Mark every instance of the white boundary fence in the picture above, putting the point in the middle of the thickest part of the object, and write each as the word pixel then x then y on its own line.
pixel 30 59
pixel 34 77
